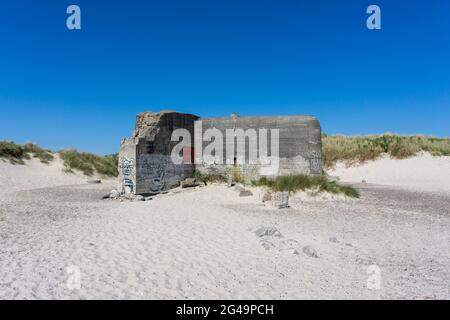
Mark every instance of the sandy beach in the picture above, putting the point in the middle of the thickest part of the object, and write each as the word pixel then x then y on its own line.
pixel 205 243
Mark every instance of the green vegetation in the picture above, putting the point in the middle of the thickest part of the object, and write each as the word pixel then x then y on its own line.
pixel 45 156
pixel 358 149
pixel 295 183
pixel 16 153
pixel 89 163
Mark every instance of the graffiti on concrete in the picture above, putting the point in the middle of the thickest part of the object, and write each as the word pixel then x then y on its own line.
pixel 158 182
pixel 155 169
pixel 128 185
pixel 315 162
pixel 126 167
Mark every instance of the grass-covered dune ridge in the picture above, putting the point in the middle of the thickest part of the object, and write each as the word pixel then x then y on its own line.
pixel 348 149
pixel 88 163
pixel 16 153
pixel 359 149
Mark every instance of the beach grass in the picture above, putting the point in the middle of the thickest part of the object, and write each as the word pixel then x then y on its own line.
pixel 89 163
pixel 17 153
pixel 359 149
pixel 294 183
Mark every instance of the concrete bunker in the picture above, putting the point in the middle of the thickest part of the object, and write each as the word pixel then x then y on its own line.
pixel 259 146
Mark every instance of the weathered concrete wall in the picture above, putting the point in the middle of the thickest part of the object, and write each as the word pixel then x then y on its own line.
pixel 153 167
pixel 300 147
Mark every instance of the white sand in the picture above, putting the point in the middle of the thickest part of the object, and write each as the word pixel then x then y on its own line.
pixel 200 244
pixel 422 172
pixel 34 174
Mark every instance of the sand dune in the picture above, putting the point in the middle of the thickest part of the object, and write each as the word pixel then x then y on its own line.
pixel 34 174
pixel 422 172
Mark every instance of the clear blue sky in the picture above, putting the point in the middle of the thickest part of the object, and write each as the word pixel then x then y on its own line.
pixel 82 89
